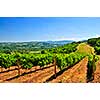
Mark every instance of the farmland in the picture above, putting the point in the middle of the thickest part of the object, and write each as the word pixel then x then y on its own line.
pixel 71 63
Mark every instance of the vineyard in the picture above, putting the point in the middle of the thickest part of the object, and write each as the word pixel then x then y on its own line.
pixel 76 74
pixel 69 64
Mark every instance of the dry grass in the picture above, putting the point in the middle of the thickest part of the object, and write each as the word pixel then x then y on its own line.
pixel 85 48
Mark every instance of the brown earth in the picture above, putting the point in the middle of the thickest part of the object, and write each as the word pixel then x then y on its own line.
pixel 97 73
pixel 31 76
pixel 76 74
pixel 13 71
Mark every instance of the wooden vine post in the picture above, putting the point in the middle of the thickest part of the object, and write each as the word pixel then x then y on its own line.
pixel 1 68
pixel 8 68
pixel 18 67
pixel 55 66
pixel 94 66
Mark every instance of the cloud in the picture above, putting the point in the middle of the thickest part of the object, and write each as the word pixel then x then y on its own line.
pixel 78 38
pixel 94 36
pixel 97 35
pixel 73 37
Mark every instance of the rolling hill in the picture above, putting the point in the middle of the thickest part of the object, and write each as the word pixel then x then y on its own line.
pixel 30 46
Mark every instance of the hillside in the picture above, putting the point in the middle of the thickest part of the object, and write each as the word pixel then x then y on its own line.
pixel 95 42
pixel 7 47
pixel 77 60
pixel 60 42
pixel 85 48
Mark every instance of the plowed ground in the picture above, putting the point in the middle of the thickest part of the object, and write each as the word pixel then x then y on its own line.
pixel 76 74
pixel 27 76
pixel 97 73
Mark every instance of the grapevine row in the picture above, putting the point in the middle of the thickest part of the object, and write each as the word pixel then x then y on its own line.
pixel 25 60
pixel 67 60
pixel 30 60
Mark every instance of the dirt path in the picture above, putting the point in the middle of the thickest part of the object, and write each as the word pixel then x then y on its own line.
pixel 41 76
pixel 34 77
pixel 76 74
pixel 97 73
pixel 7 74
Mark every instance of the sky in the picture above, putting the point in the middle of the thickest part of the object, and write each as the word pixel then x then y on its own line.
pixel 21 29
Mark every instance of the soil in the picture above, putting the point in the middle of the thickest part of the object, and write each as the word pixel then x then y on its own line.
pixel 97 73
pixel 34 75
pixel 76 74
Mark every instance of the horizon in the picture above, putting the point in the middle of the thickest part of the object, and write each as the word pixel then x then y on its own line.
pixel 27 29
pixel 33 41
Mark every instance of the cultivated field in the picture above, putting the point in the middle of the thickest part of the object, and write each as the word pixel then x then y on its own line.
pixel 75 74
pixel 74 67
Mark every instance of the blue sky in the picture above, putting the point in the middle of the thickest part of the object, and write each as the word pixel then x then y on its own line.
pixel 16 29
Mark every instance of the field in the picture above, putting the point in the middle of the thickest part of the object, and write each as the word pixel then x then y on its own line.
pixel 28 76
pixel 37 75
pixel 74 67
pixel 97 73
pixel 75 74
pixel 85 48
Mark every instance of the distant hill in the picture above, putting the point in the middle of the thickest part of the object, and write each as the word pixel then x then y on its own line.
pixel 60 42
pixel 30 46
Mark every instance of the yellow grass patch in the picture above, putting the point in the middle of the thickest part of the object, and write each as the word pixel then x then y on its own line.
pixel 85 48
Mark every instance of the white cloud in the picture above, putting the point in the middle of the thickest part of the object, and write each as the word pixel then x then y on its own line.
pixel 97 35
pixel 77 39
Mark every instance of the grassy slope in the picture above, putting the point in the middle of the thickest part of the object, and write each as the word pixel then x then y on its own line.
pixel 85 48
